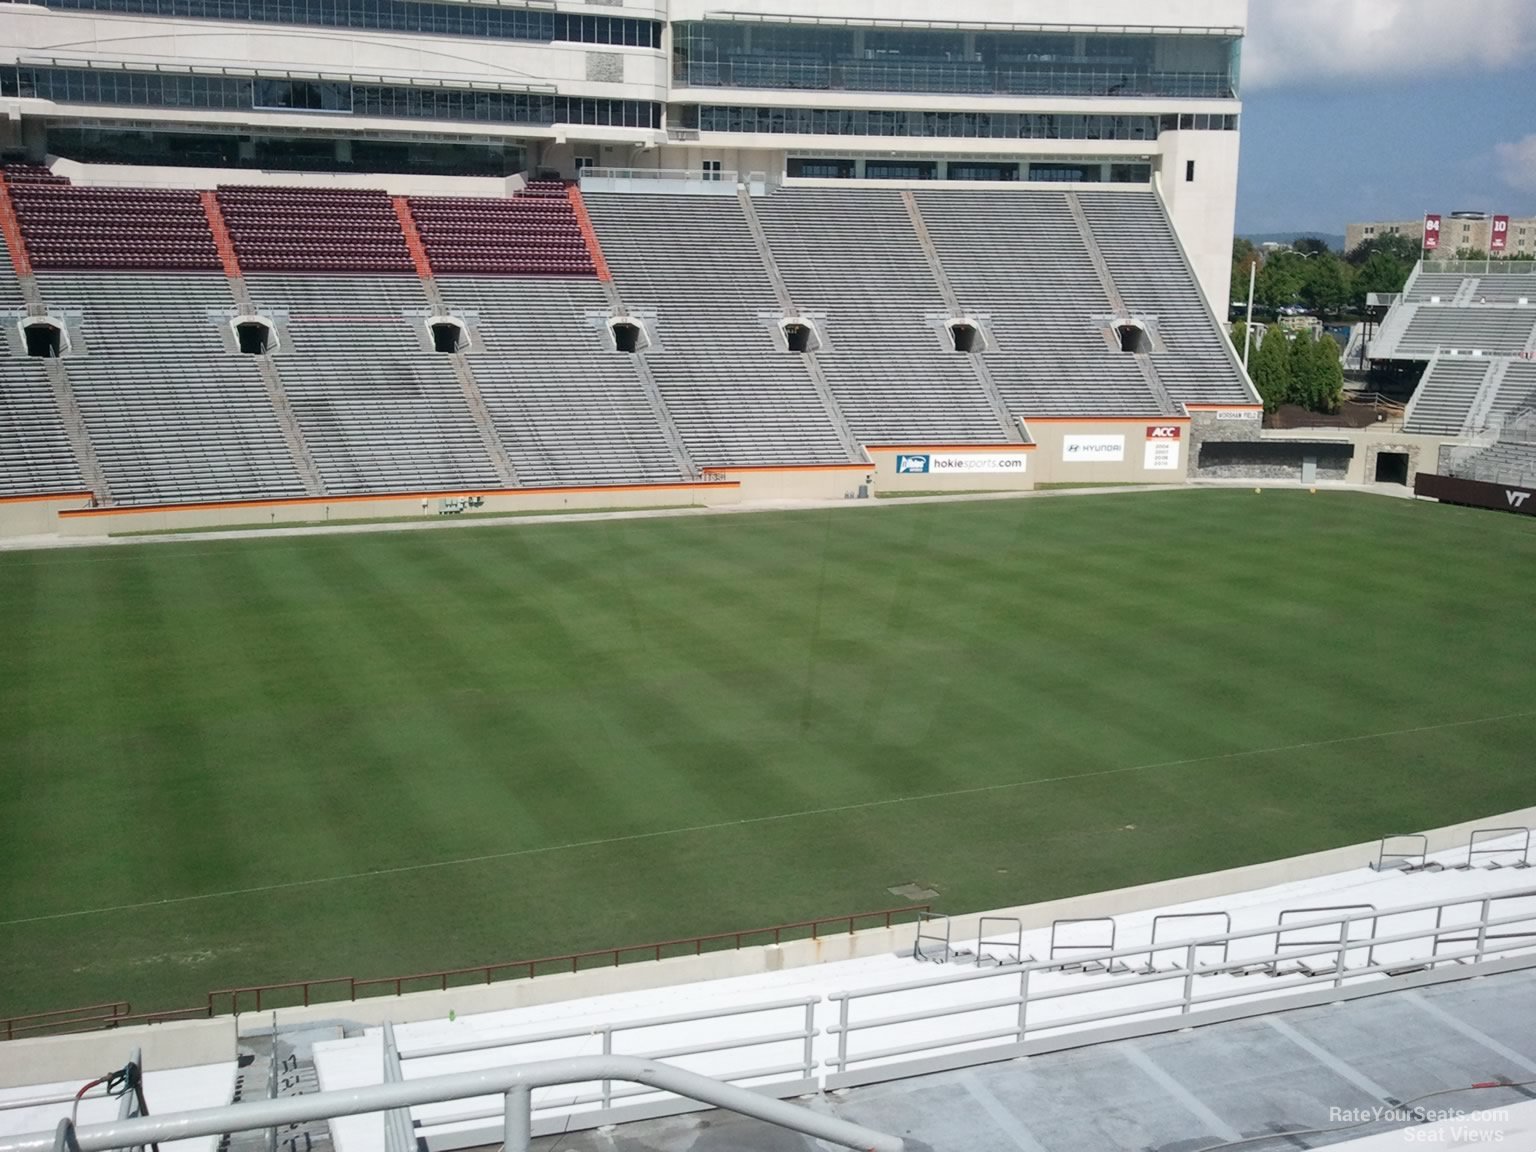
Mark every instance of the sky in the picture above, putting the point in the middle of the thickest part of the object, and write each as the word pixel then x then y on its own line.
pixel 1386 109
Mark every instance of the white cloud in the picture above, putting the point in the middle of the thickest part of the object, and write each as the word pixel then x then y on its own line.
pixel 1293 42
pixel 1517 163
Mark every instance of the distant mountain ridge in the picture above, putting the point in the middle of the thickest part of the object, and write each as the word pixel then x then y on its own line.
pixel 1334 240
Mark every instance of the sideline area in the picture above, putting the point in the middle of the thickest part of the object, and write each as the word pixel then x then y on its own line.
pixel 429 523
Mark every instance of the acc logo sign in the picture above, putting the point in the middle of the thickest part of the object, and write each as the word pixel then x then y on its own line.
pixel 911 464
pixel 1163 432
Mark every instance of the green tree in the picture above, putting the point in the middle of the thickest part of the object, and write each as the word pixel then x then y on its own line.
pixel 1325 283
pixel 1471 254
pixel 1299 363
pixel 1402 249
pixel 1326 388
pixel 1237 331
pixel 1316 372
pixel 1312 246
pixel 1244 257
pixel 1381 272
pixel 1280 281
pixel 1271 368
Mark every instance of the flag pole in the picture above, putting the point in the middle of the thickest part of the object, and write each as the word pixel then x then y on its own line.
pixel 1253 276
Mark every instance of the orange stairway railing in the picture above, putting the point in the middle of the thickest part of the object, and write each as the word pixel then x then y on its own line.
pixel 221 237
pixel 412 237
pixel 588 234
pixel 9 225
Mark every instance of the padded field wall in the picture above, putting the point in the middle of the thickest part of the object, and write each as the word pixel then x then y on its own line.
pixel 409 506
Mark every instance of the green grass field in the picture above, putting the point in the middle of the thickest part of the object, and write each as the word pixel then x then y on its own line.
pixel 233 761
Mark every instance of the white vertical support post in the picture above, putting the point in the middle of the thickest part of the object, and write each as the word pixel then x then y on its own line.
pixel 1482 930
pixel 842 1035
pixel 517 1123
pixel 1189 980
pixel 607 1051
pixel 274 1072
pixel 1338 971
pixel 810 1038
pixel 1023 1003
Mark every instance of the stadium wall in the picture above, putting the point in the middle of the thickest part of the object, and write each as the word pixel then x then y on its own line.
pixel 395 184
pixel 177 1044
pixel 81 521
pixel 73 515
pixel 1129 450
pixel 1367 444
pixel 1203 209
pixel 37 515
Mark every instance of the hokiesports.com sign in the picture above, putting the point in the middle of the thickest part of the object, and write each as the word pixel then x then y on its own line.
pixel 931 463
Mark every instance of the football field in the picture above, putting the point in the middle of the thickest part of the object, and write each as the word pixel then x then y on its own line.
pixel 226 762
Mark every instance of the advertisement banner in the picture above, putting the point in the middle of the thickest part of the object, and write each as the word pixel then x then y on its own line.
pixel 1498 235
pixel 1162 451
pixel 1476 494
pixel 1092 449
pixel 1431 232
pixel 931 463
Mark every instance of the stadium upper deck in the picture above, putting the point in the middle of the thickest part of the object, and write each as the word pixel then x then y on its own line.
pixel 984 90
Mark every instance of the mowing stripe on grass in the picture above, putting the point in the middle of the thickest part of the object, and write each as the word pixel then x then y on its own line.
pixel 775 818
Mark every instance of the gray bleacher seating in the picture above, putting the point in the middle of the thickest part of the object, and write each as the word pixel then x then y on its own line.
pixel 1504 289
pixel 567 409
pixel 10 287
pixel 1517 392
pixel 35 457
pixel 378 413
pixel 1493 287
pixel 1492 330
pixel 1445 395
pixel 854 257
pixel 1503 462
pixel 172 415
pixel 1429 285
pixel 1017 257
pixel 735 399
pixel 1139 245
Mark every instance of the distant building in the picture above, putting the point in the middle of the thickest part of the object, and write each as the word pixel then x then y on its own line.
pixel 1457 230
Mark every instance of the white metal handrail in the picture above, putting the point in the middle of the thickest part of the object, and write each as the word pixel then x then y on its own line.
pixel 514 1084
pixel 801 1072
pixel 1478 932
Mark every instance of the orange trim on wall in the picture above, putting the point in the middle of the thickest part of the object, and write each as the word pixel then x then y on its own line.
pixel 1107 419
pixel 413 242
pixel 1225 407
pixel 708 468
pixel 293 501
pixel 221 237
pixel 588 233
pixel 38 499
pixel 950 447
pixel 11 228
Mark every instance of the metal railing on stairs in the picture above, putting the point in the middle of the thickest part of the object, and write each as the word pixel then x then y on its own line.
pixel 514 1085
